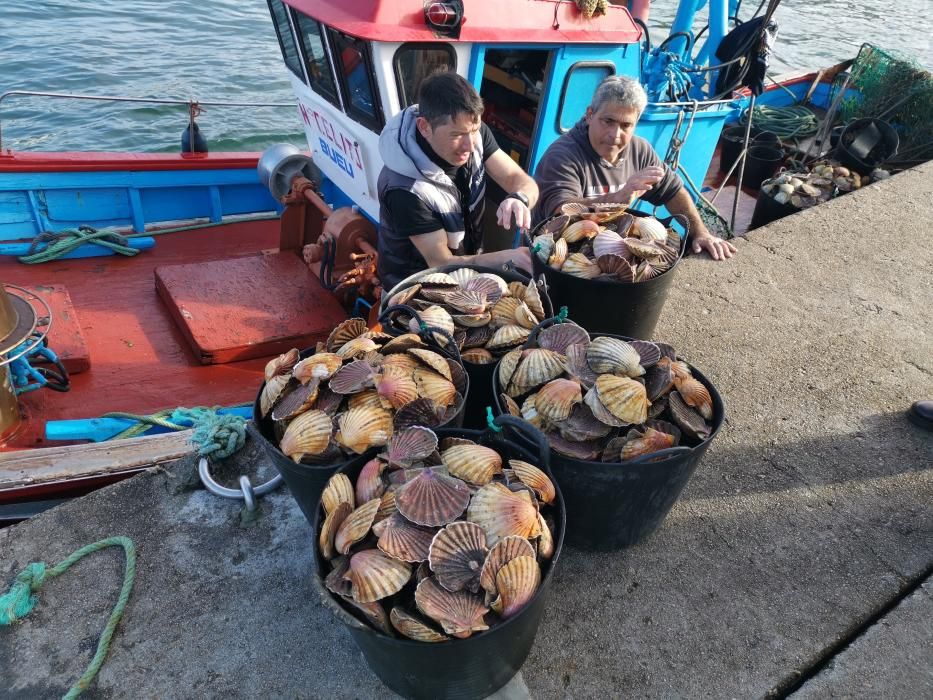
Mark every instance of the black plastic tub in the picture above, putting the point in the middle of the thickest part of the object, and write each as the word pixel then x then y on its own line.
pixel 306 481
pixel 627 308
pixel 733 139
pixel 460 669
pixel 611 506
pixel 761 164
pixel 865 144
pixel 768 209
pixel 480 375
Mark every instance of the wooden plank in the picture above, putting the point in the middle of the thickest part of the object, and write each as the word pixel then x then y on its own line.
pixel 30 467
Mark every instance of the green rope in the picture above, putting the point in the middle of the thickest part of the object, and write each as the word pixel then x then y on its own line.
pixel 215 435
pixel 561 315
pixel 20 600
pixel 490 421
pixel 63 242
pixel 793 121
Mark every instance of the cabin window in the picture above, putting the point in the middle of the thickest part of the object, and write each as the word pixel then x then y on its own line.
pixel 354 68
pixel 320 74
pixel 415 62
pixel 579 85
pixel 283 31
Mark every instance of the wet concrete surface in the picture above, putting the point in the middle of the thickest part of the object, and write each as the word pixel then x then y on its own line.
pixel 812 511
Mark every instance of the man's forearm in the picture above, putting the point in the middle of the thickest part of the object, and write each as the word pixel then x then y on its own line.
pixel 524 183
pixel 681 204
pixel 499 257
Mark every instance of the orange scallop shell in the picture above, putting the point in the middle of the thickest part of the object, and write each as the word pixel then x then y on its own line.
pixel 459 614
pixel 375 575
pixel 535 479
pixel 517 582
pixel 308 434
pixel 410 626
pixel 457 554
pixel 557 398
pixel 501 553
pixel 356 526
pixel 501 512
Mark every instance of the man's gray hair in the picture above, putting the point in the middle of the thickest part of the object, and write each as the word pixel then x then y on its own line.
pixel 622 90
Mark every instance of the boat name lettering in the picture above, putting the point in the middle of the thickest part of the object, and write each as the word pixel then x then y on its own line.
pixel 338 158
pixel 339 140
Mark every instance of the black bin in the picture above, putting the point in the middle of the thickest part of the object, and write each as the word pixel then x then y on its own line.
pixel 306 481
pixel 768 209
pixel 611 506
pixel 480 375
pixel 627 308
pixel 458 669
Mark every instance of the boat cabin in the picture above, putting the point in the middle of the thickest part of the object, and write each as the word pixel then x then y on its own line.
pixel 354 64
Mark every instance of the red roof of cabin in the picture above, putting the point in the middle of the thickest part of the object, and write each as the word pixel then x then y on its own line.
pixel 488 21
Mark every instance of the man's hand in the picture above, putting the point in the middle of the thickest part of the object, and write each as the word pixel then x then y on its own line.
pixel 717 248
pixel 641 182
pixel 512 208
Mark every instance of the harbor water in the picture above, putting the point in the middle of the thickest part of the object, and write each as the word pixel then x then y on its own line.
pixel 226 50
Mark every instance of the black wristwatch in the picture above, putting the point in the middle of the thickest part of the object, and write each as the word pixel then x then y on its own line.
pixel 520 196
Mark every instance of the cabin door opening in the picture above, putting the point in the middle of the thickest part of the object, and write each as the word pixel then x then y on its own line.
pixel 512 89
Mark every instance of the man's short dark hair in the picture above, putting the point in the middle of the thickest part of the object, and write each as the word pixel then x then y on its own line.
pixel 443 96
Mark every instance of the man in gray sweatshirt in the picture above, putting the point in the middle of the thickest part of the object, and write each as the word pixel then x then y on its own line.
pixel 600 159
pixel 432 188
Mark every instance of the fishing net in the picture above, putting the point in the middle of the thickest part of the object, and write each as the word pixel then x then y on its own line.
pixel 884 85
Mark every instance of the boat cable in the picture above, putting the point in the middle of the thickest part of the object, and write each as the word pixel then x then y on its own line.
pixel 20 600
pixel 791 121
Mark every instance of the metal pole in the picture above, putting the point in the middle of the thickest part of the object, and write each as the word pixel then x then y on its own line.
pixel 742 157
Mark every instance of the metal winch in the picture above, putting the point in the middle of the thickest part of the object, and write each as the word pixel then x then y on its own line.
pixel 25 320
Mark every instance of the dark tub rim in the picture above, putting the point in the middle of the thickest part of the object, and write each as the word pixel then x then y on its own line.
pixel 345 616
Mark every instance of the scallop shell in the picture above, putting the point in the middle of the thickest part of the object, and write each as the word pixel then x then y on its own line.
pixel 462 275
pixel 507 366
pixel 613 356
pixel 560 336
pixel 643 249
pixel 510 406
pixel 369 483
pixel 584 451
pixel 410 445
pixel 281 365
pixel 404 540
pixel 457 554
pixel 501 553
pixel 308 434
pixel 574 209
pixel 471 321
pixel 545 539
pixel 271 391
pixel 395 387
pixel 338 490
pixel 658 381
pixel 437 279
pixel 647 228
pixel 374 614
pixel 434 317
pixel 433 386
pixel 432 360
pixel 336 580
pixel 404 296
pixel 503 312
pixel 404 342
pixel 617 265
pixel 665 427
pixel 679 368
pixel 508 337
pixel 364 399
pixel 667 351
pixel 579 231
pixel 488 286
pixel 295 400
pixel 694 394
pixel 559 254
pixel 422 412
pixel 402 360
pixel 344 333
pixel 467 302
pixel 352 378
pixel 410 626
pixel 501 512
pixel 475 464
pixel 534 479
pixel 438 294
pixel 375 575
pixel 557 398
pixel 599 410
pixel 647 351
pixel 459 614
pixel 524 316
pixel 578 265
pixel 356 348
pixel 386 508
pixel 532 297
pixel 554 225
pixel 638 443
pixel 623 397
pixel 458 376
pixel 609 243
pixel 582 425
pixel 319 366
pixel 577 366
pixel 362 428
pixel 646 271
pixel 432 499
pixel 356 526
pixel 478 356
pixel 530 413
pixel 329 528
pixel 543 246
pixel 477 337
pixel 538 366
pixel 686 418
pixel 517 582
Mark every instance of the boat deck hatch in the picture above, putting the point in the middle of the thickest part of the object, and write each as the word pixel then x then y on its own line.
pixel 245 307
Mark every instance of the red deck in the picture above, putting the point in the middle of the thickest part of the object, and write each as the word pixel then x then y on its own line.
pixel 140 361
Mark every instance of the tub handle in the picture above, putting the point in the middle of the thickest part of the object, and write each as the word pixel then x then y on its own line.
pixel 532 433
pixel 426 332
pixel 664 455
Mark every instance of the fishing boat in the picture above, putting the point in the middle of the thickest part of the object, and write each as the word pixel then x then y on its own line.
pixel 165 280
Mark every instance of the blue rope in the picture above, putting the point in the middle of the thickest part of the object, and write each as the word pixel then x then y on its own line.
pixel 490 421
pixel 215 435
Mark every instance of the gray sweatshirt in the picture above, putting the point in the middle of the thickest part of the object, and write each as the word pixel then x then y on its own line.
pixel 571 169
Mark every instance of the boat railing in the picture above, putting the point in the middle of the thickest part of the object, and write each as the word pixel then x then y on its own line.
pixel 193 105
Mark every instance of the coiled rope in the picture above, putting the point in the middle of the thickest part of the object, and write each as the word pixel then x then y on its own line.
pixel 792 121
pixel 20 600
pixel 216 435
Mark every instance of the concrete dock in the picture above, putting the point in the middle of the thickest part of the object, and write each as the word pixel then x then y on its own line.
pixel 797 562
